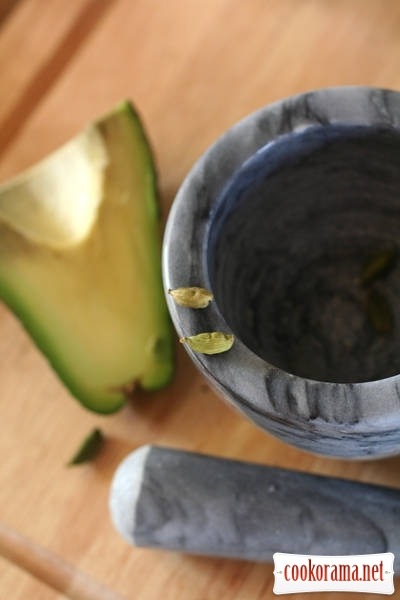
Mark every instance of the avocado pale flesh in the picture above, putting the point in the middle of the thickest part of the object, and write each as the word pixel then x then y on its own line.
pixel 80 262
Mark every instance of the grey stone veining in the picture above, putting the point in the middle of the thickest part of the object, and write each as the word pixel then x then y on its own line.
pixel 287 385
pixel 200 504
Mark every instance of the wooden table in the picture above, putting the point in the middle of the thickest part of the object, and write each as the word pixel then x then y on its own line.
pixel 192 68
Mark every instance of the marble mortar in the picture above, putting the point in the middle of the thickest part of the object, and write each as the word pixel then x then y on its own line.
pixel 277 219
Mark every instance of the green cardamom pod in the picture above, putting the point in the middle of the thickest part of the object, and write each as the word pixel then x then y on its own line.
pixel 378 265
pixel 213 342
pixel 379 312
pixel 191 297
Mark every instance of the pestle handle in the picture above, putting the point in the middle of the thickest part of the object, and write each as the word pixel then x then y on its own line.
pixel 184 501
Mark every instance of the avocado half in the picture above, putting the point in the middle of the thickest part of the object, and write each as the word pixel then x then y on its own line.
pixel 80 262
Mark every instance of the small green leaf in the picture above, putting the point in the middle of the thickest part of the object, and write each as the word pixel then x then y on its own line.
pixel 89 448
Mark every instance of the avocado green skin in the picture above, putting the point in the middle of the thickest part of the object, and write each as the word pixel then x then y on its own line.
pixel 110 402
pixel 44 345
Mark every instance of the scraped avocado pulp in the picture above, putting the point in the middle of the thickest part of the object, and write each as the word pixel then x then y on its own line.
pixel 80 262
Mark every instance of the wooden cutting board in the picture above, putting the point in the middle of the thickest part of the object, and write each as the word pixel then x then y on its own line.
pixel 192 68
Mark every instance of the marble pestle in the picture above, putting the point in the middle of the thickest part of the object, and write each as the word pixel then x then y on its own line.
pixel 188 502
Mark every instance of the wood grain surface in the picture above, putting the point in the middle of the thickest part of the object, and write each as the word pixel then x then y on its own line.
pixel 192 68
